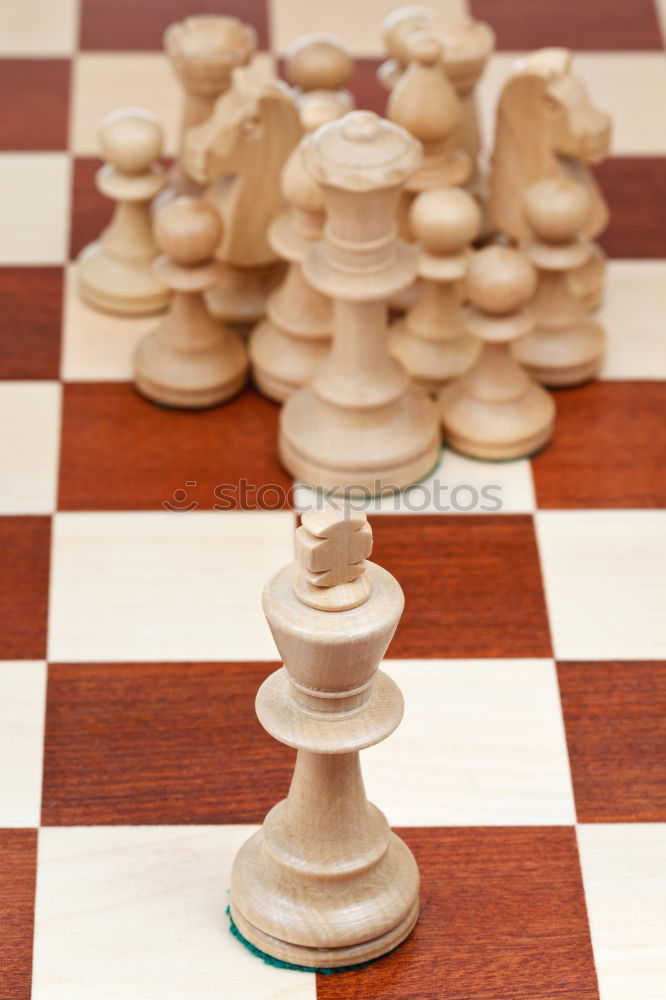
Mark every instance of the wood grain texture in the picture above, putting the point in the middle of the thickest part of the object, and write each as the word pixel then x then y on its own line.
pixel 159 743
pixel 30 322
pixel 595 25
pixel 503 918
pixel 121 452
pixel 608 448
pixel 126 25
pixel 35 96
pixel 615 721
pixel 472 585
pixel 635 188
pixel 18 850
pixel 24 581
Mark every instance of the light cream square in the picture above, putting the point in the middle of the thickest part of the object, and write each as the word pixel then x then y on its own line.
pixel 481 743
pixel 164 586
pixel 624 874
pixel 104 82
pixel 458 485
pixel 604 575
pixel 139 913
pixel 632 314
pixel 38 27
pixel 34 208
pixel 22 699
pixel 98 346
pixel 358 24
pixel 29 446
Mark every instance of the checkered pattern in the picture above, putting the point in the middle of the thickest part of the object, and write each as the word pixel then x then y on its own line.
pixel 529 773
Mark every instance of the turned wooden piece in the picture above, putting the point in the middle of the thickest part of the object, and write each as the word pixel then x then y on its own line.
pixel 467 46
pixel 115 273
pixel 191 360
pixel 239 152
pixel 320 63
pixel 432 341
pixel 565 347
pixel 425 103
pixel 360 424
pixel 203 51
pixel 295 336
pixel 496 410
pixel 547 127
pixel 325 883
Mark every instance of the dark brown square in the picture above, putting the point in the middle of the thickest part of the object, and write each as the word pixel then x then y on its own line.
pixel 635 188
pixel 594 25
pixel 34 95
pixel 18 850
pixel 128 25
pixel 91 211
pixel 121 452
pixel 608 448
pixel 472 585
pixel 30 322
pixel 615 721
pixel 503 918
pixel 24 584
pixel 159 743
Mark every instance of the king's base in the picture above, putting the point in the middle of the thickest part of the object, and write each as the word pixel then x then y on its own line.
pixel 325 958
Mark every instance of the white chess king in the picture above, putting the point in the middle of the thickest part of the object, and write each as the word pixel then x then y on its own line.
pixel 325 883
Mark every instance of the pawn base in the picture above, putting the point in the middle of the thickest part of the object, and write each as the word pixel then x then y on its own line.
pixel 497 431
pixel 281 364
pixel 204 380
pixel 431 363
pixel 126 288
pixel 242 293
pixel 562 358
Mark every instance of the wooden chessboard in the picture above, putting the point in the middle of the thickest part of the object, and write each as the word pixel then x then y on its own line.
pixel 529 774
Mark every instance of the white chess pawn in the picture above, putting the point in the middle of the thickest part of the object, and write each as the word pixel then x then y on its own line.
pixel 496 410
pixel 116 271
pixel 320 62
pixel 432 342
pixel 566 347
pixel 191 360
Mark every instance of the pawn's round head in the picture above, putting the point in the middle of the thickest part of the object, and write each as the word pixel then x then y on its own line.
pixel 188 231
pixel 130 139
pixel 557 209
pixel 500 280
pixel 319 62
pixel 444 220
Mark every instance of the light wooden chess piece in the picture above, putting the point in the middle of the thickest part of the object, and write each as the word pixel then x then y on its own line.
pixel 467 46
pixel 425 103
pixel 116 272
pixel 325 883
pixel 203 51
pixel 432 341
pixel 547 127
pixel 239 152
pixel 496 410
pixel 566 347
pixel 320 62
pixel 190 360
pixel 295 335
pixel 359 422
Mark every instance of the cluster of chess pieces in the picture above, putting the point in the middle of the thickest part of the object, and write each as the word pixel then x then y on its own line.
pixel 373 275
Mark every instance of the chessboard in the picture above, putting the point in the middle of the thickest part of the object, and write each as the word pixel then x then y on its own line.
pixel 529 773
